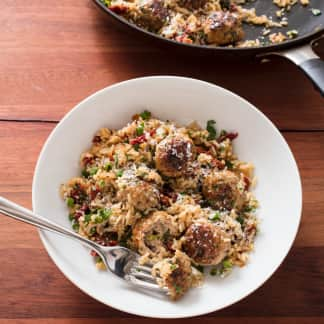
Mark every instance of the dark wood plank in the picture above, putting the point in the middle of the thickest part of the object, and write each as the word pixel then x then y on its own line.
pixel 69 51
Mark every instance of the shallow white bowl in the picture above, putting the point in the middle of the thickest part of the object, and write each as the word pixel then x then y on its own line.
pixel 182 100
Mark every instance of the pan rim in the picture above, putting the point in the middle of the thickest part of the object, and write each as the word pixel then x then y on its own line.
pixel 243 50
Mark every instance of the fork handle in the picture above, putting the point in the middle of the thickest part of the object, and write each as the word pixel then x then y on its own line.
pixel 25 215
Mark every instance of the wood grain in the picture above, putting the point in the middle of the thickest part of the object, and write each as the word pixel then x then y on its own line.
pixel 54 54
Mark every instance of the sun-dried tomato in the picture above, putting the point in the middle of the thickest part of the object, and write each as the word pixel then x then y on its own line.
pixel 247 183
pixel 231 136
pixel 138 140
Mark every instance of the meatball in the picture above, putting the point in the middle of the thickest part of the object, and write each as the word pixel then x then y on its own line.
pixel 222 190
pixel 223 28
pixel 173 155
pixel 205 243
pixel 192 4
pixel 152 14
pixel 174 273
pixel 153 236
pixel 140 194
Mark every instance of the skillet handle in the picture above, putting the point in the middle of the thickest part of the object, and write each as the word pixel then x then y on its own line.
pixel 314 69
pixel 306 59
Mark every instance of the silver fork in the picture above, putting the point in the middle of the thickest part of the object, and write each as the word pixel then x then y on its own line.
pixel 119 260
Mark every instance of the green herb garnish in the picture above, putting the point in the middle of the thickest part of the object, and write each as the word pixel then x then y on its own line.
pixel 93 231
pixel 292 33
pixel 108 166
pixel 87 218
pixel 173 266
pixel 211 130
pixel 93 171
pixel 200 268
pixel 240 219
pixel 136 147
pixel 102 183
pixel 85 173
pixel 119 173
pixel 75 226
pixel 70 202
pixel 316 12
pixel 71 217
pixel 140 130
pixel 145 115
pixel 213 272
pixel 229 164
pixel 227 264
pixel 178 289
pixel 105 213
pixel 215 217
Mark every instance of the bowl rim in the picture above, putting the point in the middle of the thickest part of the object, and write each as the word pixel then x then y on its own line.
pixel 118 307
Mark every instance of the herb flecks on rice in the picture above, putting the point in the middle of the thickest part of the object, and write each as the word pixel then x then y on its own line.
pixel 178 196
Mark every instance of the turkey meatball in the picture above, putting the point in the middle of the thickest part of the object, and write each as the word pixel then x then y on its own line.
pixel 140 194
pixel 153 236
pixel 152 14
pixel 205 243
pixel 173 155
pixel 192 4
pixel 223 28
pixel 223 190
pixel 175 274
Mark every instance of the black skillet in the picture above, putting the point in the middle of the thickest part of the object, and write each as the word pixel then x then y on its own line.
pixel 298 50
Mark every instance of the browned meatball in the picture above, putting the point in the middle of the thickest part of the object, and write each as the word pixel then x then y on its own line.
pixel 140 194
pixel 223 190
pixel 192 4
pixel 152 14
pixel 153 236
pixel 205 243
pixel 174 273
pixel 173 155
pixel 223 28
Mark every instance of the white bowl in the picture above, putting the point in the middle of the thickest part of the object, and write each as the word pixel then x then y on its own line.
pixel 182 100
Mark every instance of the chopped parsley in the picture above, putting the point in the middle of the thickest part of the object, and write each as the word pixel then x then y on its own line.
pixel 211 130
pixel 145 115
pixel 200 268
pixel 87 218
pixel 75 226
pixel 292 33
pixel 105 213
pixel 316 12
pixel 213 272
pixel 240 219
pixel 227 264
pixel 173 266
pixel 178 289
pixel 93 171
pixel 108 166
pixel 140 129
pixel 85 173
pixel 229 164
pixel 119 173
pixel 93 231
pixel 215 217
pixel 70 202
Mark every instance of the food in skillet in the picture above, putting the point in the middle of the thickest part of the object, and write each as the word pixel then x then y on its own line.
pixel 178 196
pixel 206 22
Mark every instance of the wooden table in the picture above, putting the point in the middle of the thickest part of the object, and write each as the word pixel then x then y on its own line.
pixel 55 53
